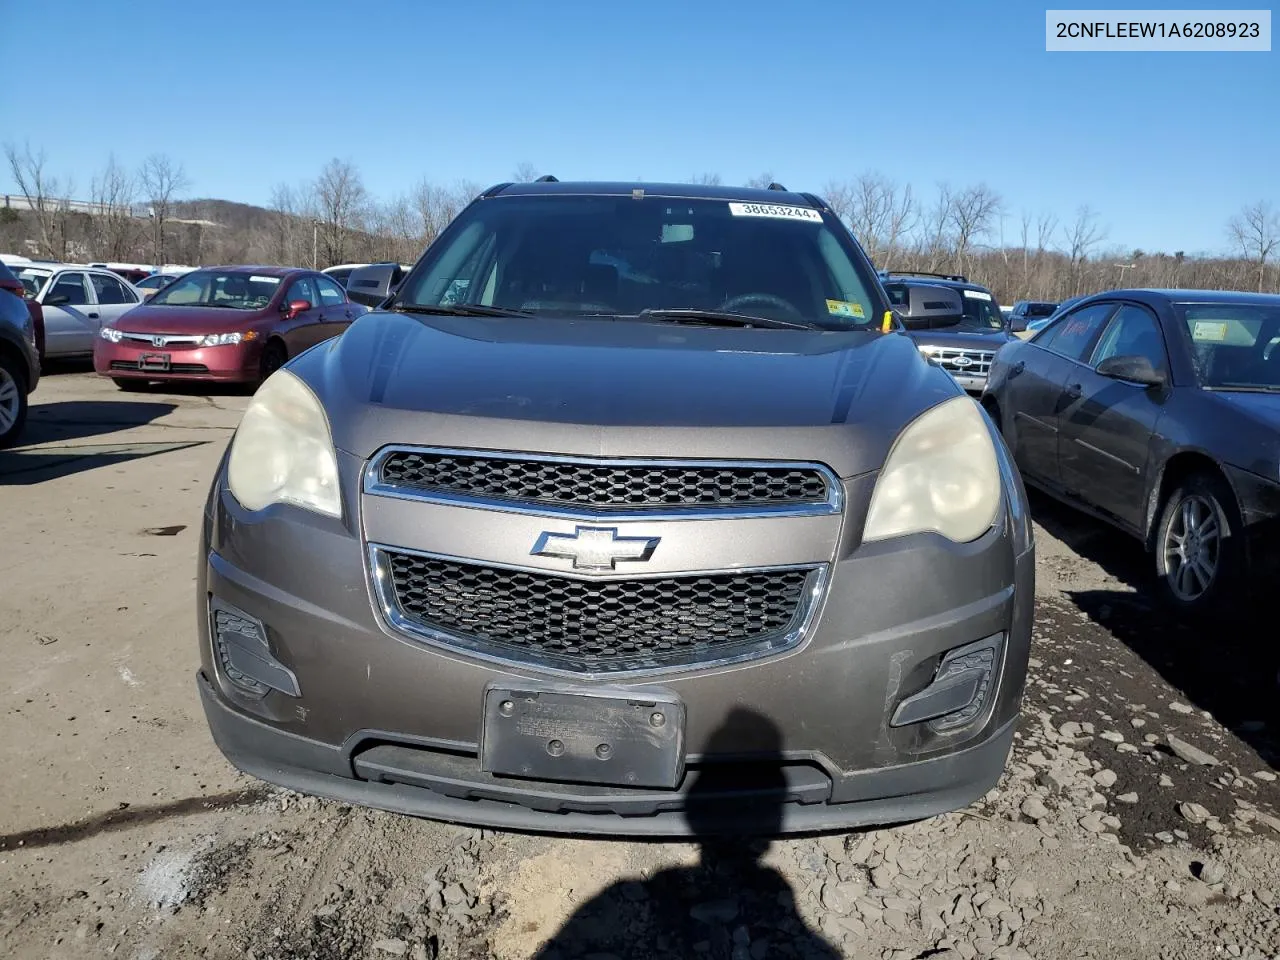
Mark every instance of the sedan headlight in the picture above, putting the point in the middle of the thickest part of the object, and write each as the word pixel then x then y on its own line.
pixel 283 452
pixel 941 475
pixel 220 339
pixel 110 333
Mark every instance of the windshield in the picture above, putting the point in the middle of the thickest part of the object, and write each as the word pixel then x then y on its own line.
pixel 1235 346
pixel 619 256
pixel 980 311
pixel 238 290
pixel 153 281
pixel 1041 309
pixel 33 280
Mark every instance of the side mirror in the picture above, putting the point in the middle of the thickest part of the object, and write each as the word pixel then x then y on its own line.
pixel 60 300
pixel 296 307
pixel 1135 369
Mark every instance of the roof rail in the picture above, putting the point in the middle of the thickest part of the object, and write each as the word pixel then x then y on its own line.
pixel 496 189
pixel 777 186
pixel 547 178
pixel 958 278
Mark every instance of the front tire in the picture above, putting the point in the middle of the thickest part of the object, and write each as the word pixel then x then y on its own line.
pixel 273 358
pixel 13 400
pixel 1200 556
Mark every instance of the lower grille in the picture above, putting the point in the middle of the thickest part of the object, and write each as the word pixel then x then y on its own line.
pixel 596 626
pixel 173 367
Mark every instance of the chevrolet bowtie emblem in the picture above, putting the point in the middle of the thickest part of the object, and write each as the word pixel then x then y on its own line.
pixel 594 548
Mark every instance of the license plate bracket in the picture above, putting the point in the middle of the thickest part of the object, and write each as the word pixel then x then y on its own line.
pixel 575 737
pixel 153 361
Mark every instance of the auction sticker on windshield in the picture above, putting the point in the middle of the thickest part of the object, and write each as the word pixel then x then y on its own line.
pixel 264 280
pixel 1209 331
pixel 977 294
pixel 774 210
pixel 845 308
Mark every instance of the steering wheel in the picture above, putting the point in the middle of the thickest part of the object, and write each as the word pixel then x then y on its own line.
pixel 735 304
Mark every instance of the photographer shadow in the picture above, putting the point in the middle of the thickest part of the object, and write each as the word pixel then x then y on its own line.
pixel 730 905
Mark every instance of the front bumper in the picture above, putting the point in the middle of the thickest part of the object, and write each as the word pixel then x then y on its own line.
pixel 228 363
pixel 385 721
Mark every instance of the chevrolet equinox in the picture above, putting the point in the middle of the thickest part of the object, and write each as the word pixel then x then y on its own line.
pixel 615 468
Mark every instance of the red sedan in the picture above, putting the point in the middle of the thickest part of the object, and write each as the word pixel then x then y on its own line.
pixel 228 324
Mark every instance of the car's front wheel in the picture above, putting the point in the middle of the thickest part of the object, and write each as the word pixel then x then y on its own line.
pixel 1200 546
pixel 273 358
pixel 13 400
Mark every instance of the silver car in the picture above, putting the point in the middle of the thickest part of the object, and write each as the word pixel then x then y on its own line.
pixel 77 302
pixel 633 493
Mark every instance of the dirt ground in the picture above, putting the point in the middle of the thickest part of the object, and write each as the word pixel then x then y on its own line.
pixel 1139 816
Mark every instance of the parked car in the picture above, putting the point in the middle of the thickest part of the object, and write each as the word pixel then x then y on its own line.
pixel 19 356
pixel 341 271
pixel 76 301
pixel 234 324
pixel 1158 411
pixel 1041 322
pixel 955 323
pixel 153 284
pixel 133 272
pixel 374 282
pixel 1026 311
pixel 525 547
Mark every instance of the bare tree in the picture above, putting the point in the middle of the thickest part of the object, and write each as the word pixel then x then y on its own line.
pixel 341 200
pixel 437 206
pixel 762 181
pixel 45 195
pixel 706 179
pixel 162 180
pixel 525 172
pixel 970 216
pixel 938 239
pixel 1081 237
pixel 1255 230
pixel 113 192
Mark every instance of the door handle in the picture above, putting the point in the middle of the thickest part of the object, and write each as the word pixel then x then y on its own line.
pixel 1073 391
pixel 1018 367
pixel 93 316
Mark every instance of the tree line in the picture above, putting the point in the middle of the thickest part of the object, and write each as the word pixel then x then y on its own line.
pixel 143 215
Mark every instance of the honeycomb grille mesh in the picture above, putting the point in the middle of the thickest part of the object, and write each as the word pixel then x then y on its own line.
pixel 605 486
pixel 596 626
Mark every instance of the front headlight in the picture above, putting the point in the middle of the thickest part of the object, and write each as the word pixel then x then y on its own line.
pixel 110 333
pixel 282 451
pixel 941 475
pixel 221 339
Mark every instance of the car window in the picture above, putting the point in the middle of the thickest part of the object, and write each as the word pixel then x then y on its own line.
pixel 1132 332
pixel 111 290
pixel 70 285
pixel 619 256
pixel 1232 345
pixel 981 312
pixel 331 294
pixel 1073 334
pixel 302 289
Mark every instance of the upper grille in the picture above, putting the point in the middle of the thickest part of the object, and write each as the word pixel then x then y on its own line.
pixel 972 363
pixel 605 486
pixel 596 625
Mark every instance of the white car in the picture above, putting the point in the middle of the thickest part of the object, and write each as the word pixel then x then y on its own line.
pixel 76 300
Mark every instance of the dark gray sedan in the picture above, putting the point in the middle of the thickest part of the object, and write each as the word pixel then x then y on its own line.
pixel 1159 411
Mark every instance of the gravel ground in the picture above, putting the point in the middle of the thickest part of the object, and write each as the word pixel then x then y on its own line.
pixel 1139 816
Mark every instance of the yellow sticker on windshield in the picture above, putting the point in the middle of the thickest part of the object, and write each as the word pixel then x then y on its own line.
pixel 1209 331
pixel 844 308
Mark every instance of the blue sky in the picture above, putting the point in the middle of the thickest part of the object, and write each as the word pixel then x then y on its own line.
pixel 1165 147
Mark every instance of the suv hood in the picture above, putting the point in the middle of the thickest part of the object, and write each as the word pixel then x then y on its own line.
pixel 165 319
pixel 961 339
pixel 597 387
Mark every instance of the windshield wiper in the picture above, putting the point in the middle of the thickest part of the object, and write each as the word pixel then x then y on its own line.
pixel 458 310
pixel 1246 387
pixel 724 319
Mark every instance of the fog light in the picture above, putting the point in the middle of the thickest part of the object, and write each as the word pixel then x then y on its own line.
pixel 960 689
pixel 245 655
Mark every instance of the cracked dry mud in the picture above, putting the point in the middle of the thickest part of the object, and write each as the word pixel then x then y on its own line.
pixel 1139 816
